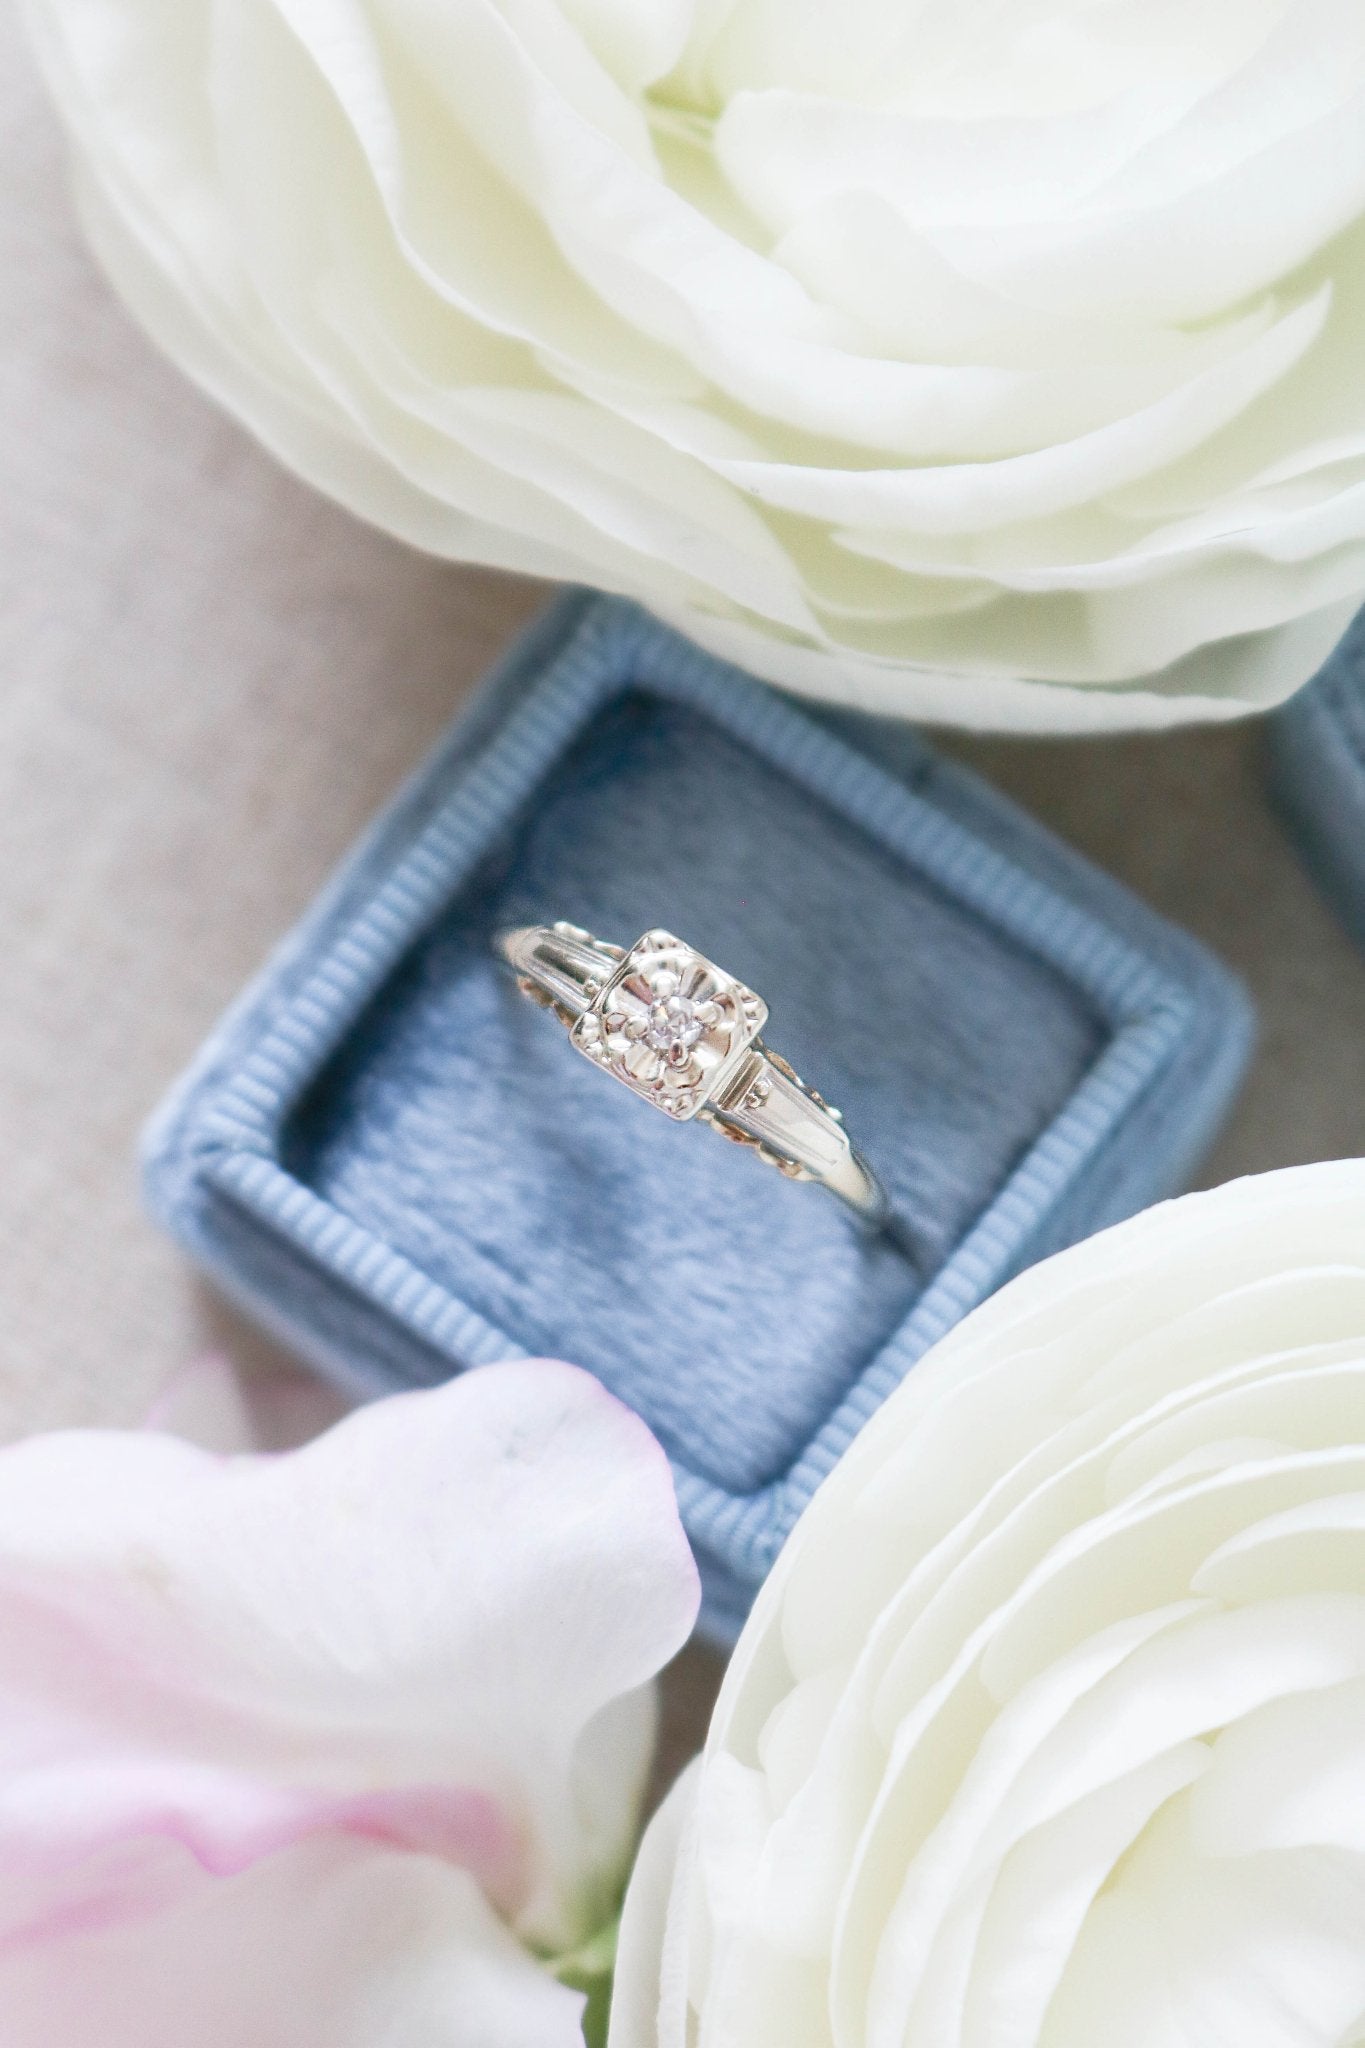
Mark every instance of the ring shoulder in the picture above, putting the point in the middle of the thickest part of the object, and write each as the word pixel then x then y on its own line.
pixel 560 966
pixel 767 1104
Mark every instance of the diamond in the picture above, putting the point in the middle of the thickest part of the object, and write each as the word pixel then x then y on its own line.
pixel 670 1024
pixel 674 1026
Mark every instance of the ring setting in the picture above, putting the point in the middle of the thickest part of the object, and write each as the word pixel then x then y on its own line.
pixel 670 1024
pixel 686 1037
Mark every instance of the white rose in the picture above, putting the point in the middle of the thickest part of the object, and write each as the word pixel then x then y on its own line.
pixel 998 364
pixel 1048 1730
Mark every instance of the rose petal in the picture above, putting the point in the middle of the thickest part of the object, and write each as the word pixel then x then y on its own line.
pixel 465 1589
pixel 649 1991
pixel 330 1944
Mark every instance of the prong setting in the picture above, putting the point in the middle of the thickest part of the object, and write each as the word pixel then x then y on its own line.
pixel 670 1024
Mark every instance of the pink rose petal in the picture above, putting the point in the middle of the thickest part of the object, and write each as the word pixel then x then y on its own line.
pixel 407 1664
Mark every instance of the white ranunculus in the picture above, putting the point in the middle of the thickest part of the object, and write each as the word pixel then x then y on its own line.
pixel 995 361
pixel 1048 1731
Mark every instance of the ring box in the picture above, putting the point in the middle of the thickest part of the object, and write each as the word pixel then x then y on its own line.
pixel 1317 775
pixel 402 1166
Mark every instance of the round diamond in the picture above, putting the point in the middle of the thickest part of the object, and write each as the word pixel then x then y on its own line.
pixel 673 1025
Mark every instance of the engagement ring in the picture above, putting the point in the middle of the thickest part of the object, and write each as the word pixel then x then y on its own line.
pixel 683 1035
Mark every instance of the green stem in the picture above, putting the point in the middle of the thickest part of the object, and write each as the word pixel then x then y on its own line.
pixel 589 1969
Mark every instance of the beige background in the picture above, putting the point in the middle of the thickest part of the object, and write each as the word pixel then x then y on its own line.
pixel 210 680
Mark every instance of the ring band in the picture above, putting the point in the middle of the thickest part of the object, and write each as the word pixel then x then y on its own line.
pixel 684 1035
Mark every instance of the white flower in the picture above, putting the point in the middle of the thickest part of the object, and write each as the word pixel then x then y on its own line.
pixel 334 1749
pixel 1048 1730
pixel 996 363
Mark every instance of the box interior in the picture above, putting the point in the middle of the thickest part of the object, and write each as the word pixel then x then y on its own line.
pixel 457 1124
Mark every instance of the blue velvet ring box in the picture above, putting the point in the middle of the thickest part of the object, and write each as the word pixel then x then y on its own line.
pixel 402 1166
pixel 1317 767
